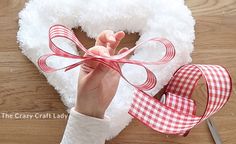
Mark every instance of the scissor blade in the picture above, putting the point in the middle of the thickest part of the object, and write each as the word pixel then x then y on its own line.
pixel 163 99
pixel 214 132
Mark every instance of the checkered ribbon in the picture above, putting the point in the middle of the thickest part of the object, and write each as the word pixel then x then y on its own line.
pixel 177 114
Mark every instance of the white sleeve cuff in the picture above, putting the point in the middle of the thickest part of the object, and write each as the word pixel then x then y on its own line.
pixel 83 129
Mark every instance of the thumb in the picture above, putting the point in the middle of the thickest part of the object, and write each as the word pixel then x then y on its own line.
pixel 97 50
pixel 89 66
pixel 99 72
pixel 101 69
pixel 122 51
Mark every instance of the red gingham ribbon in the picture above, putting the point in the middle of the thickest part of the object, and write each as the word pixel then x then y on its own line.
pixel 177 114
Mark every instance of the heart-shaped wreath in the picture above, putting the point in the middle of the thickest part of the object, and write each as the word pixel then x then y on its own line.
pixel 151 18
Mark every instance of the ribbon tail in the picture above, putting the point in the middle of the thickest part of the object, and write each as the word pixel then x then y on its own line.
pixel 74 65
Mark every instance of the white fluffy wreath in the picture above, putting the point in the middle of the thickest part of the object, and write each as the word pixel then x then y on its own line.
pixel 170 19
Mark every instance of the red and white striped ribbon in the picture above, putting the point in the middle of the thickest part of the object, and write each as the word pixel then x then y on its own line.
pixel 60 31
pixel 177 115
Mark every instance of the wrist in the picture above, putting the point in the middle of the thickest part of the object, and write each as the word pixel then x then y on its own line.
pixel 89 112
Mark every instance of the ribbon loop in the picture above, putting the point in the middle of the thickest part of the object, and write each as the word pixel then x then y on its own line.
pixel 177 115
pixel 59 31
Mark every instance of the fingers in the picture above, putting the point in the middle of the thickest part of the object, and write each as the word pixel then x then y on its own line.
pixel 91 65
pixel 101 70
pixel 118 36
pixel 123 50
pixel 110 40
pixel 105 37
pixel 98 50
pixel 95 70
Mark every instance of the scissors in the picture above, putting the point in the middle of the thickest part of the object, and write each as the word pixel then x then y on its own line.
pixel 214 133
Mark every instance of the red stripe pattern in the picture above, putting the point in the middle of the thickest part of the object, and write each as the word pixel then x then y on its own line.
pixel 60 31
pixel 177 114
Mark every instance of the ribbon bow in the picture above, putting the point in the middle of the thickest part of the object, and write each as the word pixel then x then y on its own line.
pixel 177 113
pixel 59 31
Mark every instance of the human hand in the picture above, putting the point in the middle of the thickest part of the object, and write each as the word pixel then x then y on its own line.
pixel 97 83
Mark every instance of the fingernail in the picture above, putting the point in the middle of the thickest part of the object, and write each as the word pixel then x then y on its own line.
pixel 111 38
